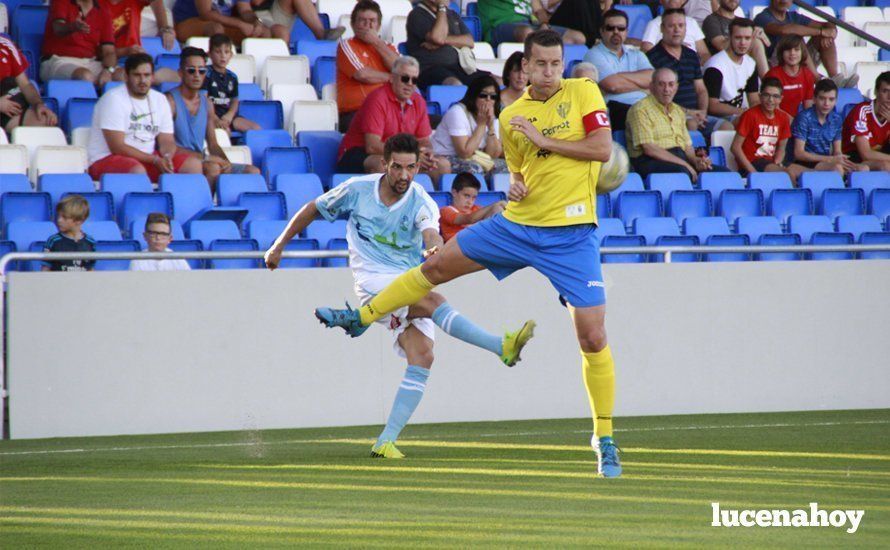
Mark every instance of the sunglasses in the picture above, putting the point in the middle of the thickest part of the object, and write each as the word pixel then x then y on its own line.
pixel 614 28
pixel 408 79
pixel 488 96
pixel 193 70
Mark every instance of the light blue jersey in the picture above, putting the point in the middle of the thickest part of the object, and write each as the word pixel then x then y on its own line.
pixel 382 240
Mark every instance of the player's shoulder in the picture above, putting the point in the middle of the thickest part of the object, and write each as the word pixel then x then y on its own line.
pixel 421 196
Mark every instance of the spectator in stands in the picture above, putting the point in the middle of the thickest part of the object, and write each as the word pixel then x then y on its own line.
pixel 158 235
pixel 716 29
pixel 235 18
pixel 443 44
pixel 78 42
pixel 468 135
pixel 866 133
pixel 20 101
pixel 513 20
pixel 585 70
pixel 283 13
pixel 625 71
pixel 126 22
pixel 731 77
pixel 515 80
pixel 694 39
pixel 193 119
pixel 816 134
pixel 797 80
pixel 222 87
pixel 701 9
pixel 777 20
pixel 132 129
pixel 463 210
pixel 71 213
pixel 762 133
pixel 363 62
pixel 584 16
pixel 390 110
pixel 657 138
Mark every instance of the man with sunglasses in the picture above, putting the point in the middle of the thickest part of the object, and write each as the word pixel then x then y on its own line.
pixel 132 131
pixel 389 110
pixel 624 70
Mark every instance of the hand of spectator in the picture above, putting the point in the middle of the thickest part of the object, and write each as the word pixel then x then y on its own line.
pixel 79 25
pixel 427 160
pixel 246 28
pixel 428 46
pixel 829 31
pixel 164 164
pixel 517 191
pixel 692 173
pixel 884 111
pixel 272 257
pixel 168 38
pixel 367 36
pixel 9 107
pixel 430 252
pixel 484 114
pixel 259 30
pixel 224 122
pixel 104 78
pixel 498 207
pixel 526 128
pixel 702 164
pixel 46 115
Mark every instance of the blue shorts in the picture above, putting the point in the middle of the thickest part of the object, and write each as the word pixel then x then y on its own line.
pixel 568 256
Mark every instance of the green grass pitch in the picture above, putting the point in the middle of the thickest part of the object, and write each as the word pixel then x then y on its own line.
pixel 492 484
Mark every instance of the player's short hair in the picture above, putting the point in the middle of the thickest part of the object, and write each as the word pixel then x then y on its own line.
pixel 220 39
pixel 612 12
pixel 191 51
pixel 824 86
pixel 366 5
pixel 789 42
pixel 400 143
pixel 156 217
pixel 137 60
pixel 546 38
pixel 465 179
pixel 513 63
pixel 741 23
pixel 883 78
pixel 771 82
pixel 73 207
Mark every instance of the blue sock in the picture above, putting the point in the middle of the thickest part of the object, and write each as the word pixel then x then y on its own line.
pixel 458 326
pixel 407 398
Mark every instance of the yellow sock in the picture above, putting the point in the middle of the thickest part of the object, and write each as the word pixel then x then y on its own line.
pixel 599 378
pixel 408 288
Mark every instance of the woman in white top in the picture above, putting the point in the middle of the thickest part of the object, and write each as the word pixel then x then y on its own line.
pixel 468 134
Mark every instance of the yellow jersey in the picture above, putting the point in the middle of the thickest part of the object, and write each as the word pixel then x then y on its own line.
pixel 561 190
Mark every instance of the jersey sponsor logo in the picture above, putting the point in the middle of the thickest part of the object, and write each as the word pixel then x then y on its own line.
pixel 595 284
pixel 565 125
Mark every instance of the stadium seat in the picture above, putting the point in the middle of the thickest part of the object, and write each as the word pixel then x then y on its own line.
pixel 573 53
pixel 260 140
pixel 442 198
pixel 336 244
pixel 705 227
pixel 875 238
pixel 767 182
pixel 264 232
pixel 207 231
pixel 80 113
pixel 171 61
pixel 756 226
pixel 4 139
pixel 818 182
pixel 425 181
pixel 616 241
pixel 324 73
pixel 288 95
pixel 337 179
pixel 285 160
pixel 784 203
pixel 268 114
pixel 653 228
pixel 7 247
pixel 398 31
pixel 263 48
pixel 506 49
pixel 292 69
pixel 879 204
pixel 830 238
pixel 483 50
pixel 190 192
pixel 14 182
pixel 666 183
pixel 115 246
pixel 847 96
pixel 734 203
pixel 633 182
pixel 300 245
pixel 487 198
pixel 269 205
pixel 188 245
pixel 25 207
pixel 638 17
pixel 445 96
pixel 322 147
pixel 313 49
pixel 689 204
pixel 606 227
pixel 323 231
pixel 778 239
pixel 142 204
pixel 244 67
pixel 80 137
pixel 638 204
pixel 329 92
pixel 447 179
pixel 620 137
pixel 23 233
pixel 676 240
pixel 603 205
pixel 33 137
pixel 475 25
pixel 298 189
pixel 805 226
pixel 154 46
pixel 501 182
pixel 121 184
pixel 64 90
pixel 869 181
pixel 842 202
pixel 249 92
pixel 857 225
pixel 230 186
pixel 727 240
pixel 718 158
pixel 301 31
pixel 313 116
pixel 723 138
pixel 102 230
pixel 238 154
pixel 59 184
pixel 698 139
pixel 14 159
pixel 136 230
pixel 868 72
pixel 50 159
pixel 234 245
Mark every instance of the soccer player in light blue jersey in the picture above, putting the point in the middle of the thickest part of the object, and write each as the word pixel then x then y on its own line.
pixel 393 226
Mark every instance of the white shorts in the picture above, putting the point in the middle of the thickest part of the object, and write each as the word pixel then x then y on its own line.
pixel 59 67
pixel 276 15
pixel 397 321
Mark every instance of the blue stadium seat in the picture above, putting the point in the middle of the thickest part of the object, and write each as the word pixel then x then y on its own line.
pixel 778 239
pixel 337 179
pixel 884 55
pixel 231 245
pixel 633 182
pixel 64 90
pixel 6 247
pixel 297 245
pixel 857 225
pixel 784 203
pixel 268 114
pixel 717 182
pixel 847 108
pixel 767 182
pixel 676 240
pixel 573 53
pixel 102 231
pixel 874 238
pixel 425 181
pixel 842 202
pixel 486 198
pixel 230 186
pixel 705 227
pixel 80 113
pixel 336 244
pixel 718 158
pixel 15 182
pixel 442 198
pixel 188 245
pixel 322 148
pixel 248 91
pixel 285 160
pixel 447 179
pixel 689 204
pixel 603 206
pixel 620 137
pixel 638 16
pixel 260 140
pixel 433 109
pixel 638 204
pixel 34 265
pixel 818 182
pixel 137 230
pixel 190 192
pixel 616 241
pixel 820 237
pixel 847 96
pixel 666 183
pixel 154 46
pixel 208 231
pixel 446 95
pixel 169 61
pixel 607 227
pixel 727 240
pixel 475 25
pixel 879 204
pixel 734 203
pixel 115 246
pixel 313 49
pixel 25 233
pixel 323 231
pixel 142 204
pixel 298 189
pixel 25 207
pixel 300 31
pixel 756 226
pixel 472 8
pixel 59 184
pixel 110 85
pixel 698 139
pixel 121 184
pixel 869 181
pixel 653 228
pixel 501 182
pixel 264 232
pixel 53 105
pixel 27 22
pixel 324 72
pixel 269 205
pixel 805 226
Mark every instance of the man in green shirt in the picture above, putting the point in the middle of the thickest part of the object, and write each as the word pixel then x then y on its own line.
pixel 513 20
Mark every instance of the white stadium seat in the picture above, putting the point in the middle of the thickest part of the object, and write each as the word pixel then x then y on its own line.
pixel 851 55
pixel 392 9
pixel 202 42
pixel 287 94
pixel 4 19
pixel 51 159
pixel 398 32
pixel 858 16
pixel 238 154
pixel 222 137
pixel 244 68
pixel 80 136
pixel 14 159
pixel 313 116
pixel 878 30
pixel 33 137
pixel 723 138
pixel 337 8
pixel 329 92
pixel 483 50
pixel 868 73
pixel 263 48
pixel 3 139
pixel 291 69
pixel 506 49
pixel 494 66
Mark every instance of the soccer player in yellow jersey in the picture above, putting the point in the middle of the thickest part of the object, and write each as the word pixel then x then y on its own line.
pixel 556 136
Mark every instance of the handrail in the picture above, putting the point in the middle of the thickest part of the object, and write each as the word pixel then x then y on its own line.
pixel 842 24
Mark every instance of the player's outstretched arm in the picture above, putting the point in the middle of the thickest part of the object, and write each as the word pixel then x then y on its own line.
pixel 432 242
pixel 596 145
pixel 297 224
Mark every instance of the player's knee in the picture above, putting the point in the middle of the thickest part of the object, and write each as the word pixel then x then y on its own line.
pixel 434 269
pixel 593 339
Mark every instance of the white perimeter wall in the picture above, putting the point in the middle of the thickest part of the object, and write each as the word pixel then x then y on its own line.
pixel 125 353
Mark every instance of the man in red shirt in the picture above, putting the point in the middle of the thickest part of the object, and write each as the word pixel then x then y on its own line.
pixel 126 22
pixel 390 110
pixel 762 132
pixel 463 210
pixel 78 42
pixel 866 132
pixel 17 93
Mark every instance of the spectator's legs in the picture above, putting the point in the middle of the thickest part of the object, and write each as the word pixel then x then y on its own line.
pixel 241 124
pixel 795 170
pixel 211 172
pixel 83 74
pixel 452 81
pixel 443 167
pixel 573 37
pixel 828 53
pixel 877 165
pixel 183 163
pixel 164 75
pixel 285 10
pixel 196 26
pixel 645 165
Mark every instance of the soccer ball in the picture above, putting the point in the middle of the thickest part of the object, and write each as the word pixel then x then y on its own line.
pixel 612 173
